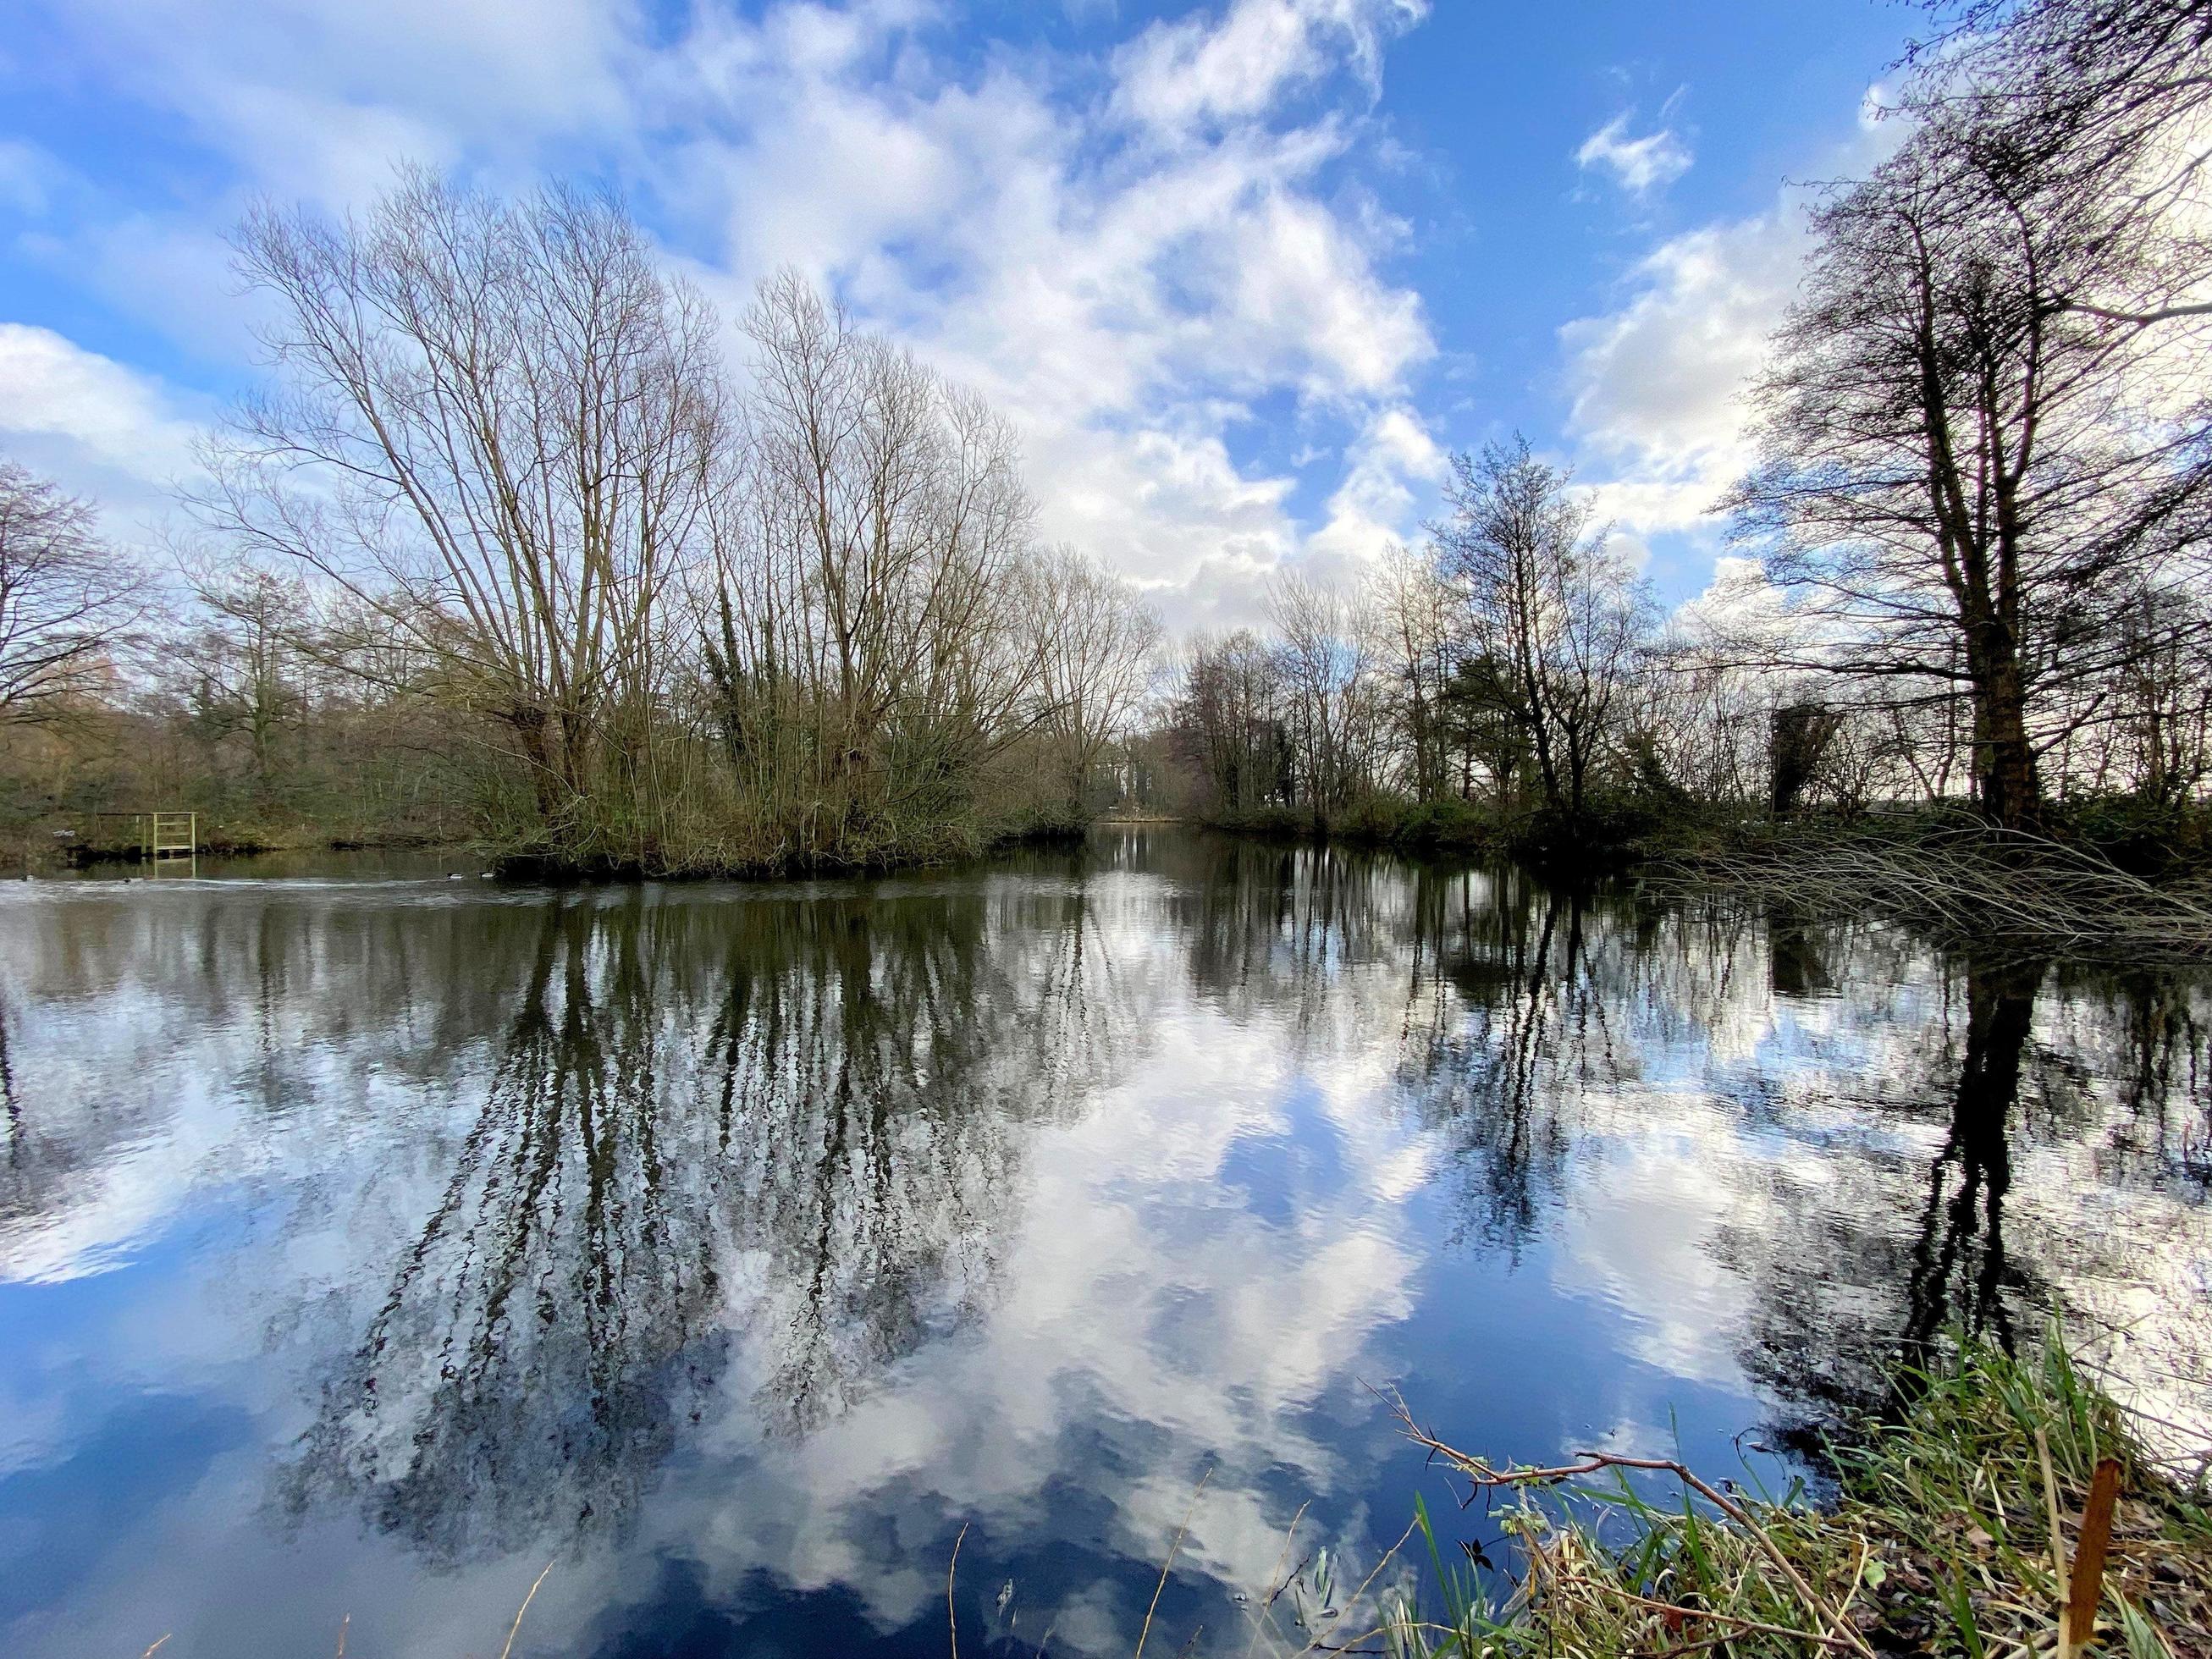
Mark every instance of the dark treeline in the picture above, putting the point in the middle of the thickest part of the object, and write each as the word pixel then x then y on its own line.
pixel 505 548
pixel 1975 527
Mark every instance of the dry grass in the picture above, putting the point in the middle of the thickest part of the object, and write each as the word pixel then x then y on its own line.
pixel 1941 1540
pixel 1961 1524
pixel 1963 880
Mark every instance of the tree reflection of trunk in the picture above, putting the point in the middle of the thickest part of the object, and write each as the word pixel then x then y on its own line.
pixel 1962 1228
pixel 522 1374
pixel 835 1090
pixel 1796 963
pixel 9 1102
pixel 2163 1046
pixel 1499 1062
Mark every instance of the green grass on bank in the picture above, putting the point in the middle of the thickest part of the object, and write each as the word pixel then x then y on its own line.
pixel 1937 1540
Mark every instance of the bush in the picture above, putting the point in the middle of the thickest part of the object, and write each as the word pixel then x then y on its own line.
pixel 2146 838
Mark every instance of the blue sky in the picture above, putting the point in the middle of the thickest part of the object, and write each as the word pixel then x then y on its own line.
pixel 1243 273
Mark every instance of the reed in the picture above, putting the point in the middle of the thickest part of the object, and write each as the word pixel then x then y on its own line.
pixel 2003 1505
pixel 1962 880
pixel 1952 1524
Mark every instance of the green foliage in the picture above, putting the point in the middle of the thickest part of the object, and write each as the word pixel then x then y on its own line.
pixel 1936 1539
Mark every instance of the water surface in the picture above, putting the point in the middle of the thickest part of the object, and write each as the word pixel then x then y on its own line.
pixel 367 1244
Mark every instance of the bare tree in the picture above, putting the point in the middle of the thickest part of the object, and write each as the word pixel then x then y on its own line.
pixel 1323 643
pixel 873 561
pixel 2096 102
pixel 1966 469
pixel 1553 617
pixel 1411 610
pixel 497 428
pixel 1228 718
pixel 246 666
pixel 66 599
pixel 1092 640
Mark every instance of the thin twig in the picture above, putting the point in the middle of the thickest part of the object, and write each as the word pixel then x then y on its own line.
pixel 1263 1615
pixel 952 1618
pixel 509 1645
pixel 1356 1596
pixel 1166 1565
pixel 1482 1474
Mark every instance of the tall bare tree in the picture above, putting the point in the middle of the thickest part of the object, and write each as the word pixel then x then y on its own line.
pixel 1093 638
pixel 1411 610
pixel 874 557
pixel 1228 718
pixel 1963 472
pixel 246 666
pixel 1984 438
pixel 497 426
pixel 1553 617
pixel 2094 101
pixel 1323 643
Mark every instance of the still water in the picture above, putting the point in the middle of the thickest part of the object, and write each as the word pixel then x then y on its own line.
pixel 368 1243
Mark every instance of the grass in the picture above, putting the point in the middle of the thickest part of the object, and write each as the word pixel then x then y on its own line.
pixel 1940 1538
pixel 1955 879
pixel 1956 1525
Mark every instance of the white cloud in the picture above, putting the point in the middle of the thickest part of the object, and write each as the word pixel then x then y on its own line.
pixel 316 100
pixel 88 422
pixel 1175 76
pixel 1125 254
pixel 1393 465
pixel 1124 306
pixel 1656 384
pixel 1639 166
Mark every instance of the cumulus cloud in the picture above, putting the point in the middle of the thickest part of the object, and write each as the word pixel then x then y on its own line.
pixel 1657 412
pixel 1128 253
pixel 1393 464
pixel 1658 383
pixel 315 101
pixel 1177 75
pixel 88 422
pixel 1639 166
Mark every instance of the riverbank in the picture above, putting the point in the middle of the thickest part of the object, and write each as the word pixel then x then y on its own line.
pixel 2108 876
pixel 1961 1522
pixel 81 845
pixel 2068 892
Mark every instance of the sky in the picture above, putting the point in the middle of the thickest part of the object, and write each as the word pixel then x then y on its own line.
pixel 1244 274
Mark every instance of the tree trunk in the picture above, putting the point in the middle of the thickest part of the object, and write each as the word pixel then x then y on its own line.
pixel 529 726
pixel 2006 781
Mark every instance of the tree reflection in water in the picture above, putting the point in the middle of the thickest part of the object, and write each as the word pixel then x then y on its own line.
pixel 1959 1276
pixel 822 1100
pixel 686 1225
pixel 1540 1023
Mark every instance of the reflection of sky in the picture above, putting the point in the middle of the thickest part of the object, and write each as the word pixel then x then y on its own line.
pixel 1217 1177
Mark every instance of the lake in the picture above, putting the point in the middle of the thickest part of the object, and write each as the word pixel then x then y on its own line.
pixel 371 1240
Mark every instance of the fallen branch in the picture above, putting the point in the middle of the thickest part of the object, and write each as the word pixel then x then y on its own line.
pixel 1968 882
pixel 1832 1630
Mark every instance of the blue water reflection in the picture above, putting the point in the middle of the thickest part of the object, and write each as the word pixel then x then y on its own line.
pixel 365 1246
